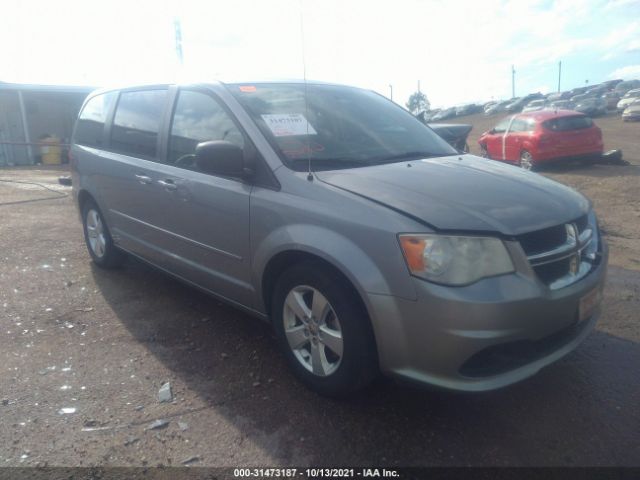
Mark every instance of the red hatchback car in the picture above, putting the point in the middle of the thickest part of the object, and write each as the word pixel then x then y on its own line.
pixel 535 138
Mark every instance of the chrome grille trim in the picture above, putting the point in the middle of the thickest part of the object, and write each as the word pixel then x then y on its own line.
pixel 565 250
pixel 566 263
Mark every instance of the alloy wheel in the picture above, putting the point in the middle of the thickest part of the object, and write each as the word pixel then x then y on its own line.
pixel 96 233
pixel 312 330
pixel 526 160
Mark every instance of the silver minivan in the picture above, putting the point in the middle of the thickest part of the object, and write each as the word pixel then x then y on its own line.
pixel 369 243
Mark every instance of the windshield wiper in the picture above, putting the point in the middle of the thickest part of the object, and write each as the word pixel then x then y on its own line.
pixel 417 154
pixel 340 162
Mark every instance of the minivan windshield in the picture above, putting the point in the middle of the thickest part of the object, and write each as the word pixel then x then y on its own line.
pixel 335 126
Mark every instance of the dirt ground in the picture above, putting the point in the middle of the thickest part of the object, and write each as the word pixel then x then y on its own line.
pixel 84 352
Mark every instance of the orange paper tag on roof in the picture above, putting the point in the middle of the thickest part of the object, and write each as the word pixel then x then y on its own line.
pixel 247 88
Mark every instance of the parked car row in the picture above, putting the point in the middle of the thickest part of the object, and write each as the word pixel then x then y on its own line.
pixel 593 101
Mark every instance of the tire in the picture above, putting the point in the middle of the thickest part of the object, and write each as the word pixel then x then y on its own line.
pixel 483 151
pixel 332 349
pixel 98 239
pixel 526 161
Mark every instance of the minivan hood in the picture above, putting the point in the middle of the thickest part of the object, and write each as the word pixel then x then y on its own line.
pixel 464 193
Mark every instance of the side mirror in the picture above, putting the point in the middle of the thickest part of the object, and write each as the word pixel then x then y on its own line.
pixel 220 157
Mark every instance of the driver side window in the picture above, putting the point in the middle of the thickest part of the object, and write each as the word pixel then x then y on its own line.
pixel 502 126
pixel 198 118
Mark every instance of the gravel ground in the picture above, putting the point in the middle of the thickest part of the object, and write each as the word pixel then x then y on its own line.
pixel 84 352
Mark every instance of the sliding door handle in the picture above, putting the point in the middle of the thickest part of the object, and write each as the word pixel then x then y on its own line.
pixel 168 184
pixel 143 179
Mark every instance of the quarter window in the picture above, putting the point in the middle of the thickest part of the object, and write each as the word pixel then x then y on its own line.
pixel 137 122
pixel 198 118
pixel 90 127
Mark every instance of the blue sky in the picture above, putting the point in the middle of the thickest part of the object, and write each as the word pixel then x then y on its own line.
pixel 460 51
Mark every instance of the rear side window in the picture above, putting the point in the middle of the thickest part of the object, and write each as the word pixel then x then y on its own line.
pixel 137 122
pixel 198 118
pixel 90 125
pixel 568 123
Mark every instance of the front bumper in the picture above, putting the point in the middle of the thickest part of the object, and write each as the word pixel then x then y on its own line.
pixel 484 336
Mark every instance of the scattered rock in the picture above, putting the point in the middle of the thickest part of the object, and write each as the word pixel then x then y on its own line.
pixel 224 355
pixel 96 429
pixel 158 424
pixel 256 384
pixel 183 426
pixel 5 402
pixel 138 408
pixel 131 441
pixel 190 460
pixel 165 394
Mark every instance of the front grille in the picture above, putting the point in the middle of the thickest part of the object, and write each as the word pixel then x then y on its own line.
pixel 562 254
pixel 550 272
pixel 543 240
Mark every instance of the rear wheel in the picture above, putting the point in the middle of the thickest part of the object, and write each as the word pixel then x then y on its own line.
pixel 526 161
pixel 98 238
pixel 483 151
pixel 323 330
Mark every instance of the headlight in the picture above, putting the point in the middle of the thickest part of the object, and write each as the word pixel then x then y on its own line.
pixel 455 260
pixel 591 250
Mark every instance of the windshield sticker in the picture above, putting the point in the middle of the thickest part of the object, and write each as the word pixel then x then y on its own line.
pixel 288 124
pixel 247 88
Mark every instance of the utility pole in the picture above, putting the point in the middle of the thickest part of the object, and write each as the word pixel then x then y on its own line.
pixel 178 39
pixel 513 82
pixel 559 74
pixel 391 91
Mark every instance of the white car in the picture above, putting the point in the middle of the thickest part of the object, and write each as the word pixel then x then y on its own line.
pixel 628 99
pixel 534 106
pixel 632 112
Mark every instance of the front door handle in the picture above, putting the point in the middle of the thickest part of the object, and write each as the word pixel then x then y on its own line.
pixel 143 179
pixel 168 184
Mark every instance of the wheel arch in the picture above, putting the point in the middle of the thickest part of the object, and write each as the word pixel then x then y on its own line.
pixel 285 259
pixel 292 242
pixel 83 197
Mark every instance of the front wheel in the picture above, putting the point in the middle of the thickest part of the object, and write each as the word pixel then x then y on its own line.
pixel 483 151
pixel 323 330
pixel 526 161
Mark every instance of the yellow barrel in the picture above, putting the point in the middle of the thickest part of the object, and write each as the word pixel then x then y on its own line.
pixel 51 151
